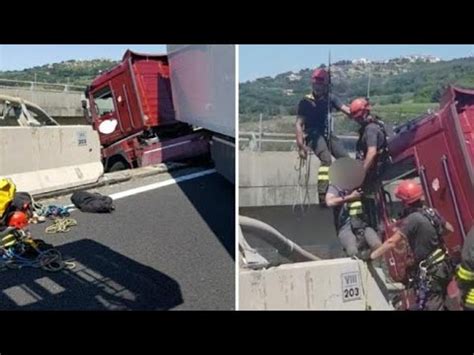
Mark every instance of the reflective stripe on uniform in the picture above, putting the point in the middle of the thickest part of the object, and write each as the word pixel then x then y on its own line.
pixel 437 256
pixel 465 274
pixel 355 208
pixel 355 212
pixel 470 296
pixel 8 241
pixel 323 173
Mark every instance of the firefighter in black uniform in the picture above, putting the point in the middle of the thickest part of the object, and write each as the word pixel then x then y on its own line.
pixel 371 147
pixel 465 272
pixel 311 128
pixel 423 229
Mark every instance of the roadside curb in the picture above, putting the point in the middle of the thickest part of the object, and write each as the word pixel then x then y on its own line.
pixel 115 178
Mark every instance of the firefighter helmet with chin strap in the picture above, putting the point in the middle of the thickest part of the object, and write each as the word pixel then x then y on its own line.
pixel 359 108
pixel 409 191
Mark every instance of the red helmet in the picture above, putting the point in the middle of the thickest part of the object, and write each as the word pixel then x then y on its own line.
pixel 320 75
pixel 409 191
pixel 359 107
pixel 18 220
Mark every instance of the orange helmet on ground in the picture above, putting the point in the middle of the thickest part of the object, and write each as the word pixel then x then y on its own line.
pixel 409 191
pixel 18 220
pixel 359 107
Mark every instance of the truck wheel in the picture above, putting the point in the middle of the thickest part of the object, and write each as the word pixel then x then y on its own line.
pixel 117 166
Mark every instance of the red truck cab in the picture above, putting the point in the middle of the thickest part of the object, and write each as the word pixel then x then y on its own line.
pixel 438 150
pixel 131 108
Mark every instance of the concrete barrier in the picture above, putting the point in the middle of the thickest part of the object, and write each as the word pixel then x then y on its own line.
pixel 339 284
pixel 46 159
pixel 271 179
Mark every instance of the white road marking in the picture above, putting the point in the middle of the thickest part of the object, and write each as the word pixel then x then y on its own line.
pixel 154 186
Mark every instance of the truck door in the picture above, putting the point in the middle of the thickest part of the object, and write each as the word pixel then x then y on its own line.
pixel 107 121
pixel 124 112
pixel 437 164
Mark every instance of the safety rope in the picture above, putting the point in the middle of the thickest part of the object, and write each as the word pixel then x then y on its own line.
pixel 61 225
pixel 50 260
pixel 69 265
pixel 302 197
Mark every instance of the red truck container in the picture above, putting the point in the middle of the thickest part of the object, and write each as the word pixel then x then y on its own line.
pixel 131 107
pixel 437 149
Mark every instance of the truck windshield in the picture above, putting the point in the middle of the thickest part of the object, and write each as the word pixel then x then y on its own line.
pixel 104 101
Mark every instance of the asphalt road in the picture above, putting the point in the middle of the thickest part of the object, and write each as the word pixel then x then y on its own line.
pixel 168 248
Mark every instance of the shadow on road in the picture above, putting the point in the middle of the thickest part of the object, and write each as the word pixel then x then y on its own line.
pixel 213 198
pixel 101 280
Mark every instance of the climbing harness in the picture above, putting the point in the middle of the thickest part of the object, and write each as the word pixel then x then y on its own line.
pixel 426 276
pixel 57 211
pixel 435 219
pixel 59 214
pixel 61 225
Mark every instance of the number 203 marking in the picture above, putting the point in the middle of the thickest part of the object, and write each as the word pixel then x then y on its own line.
pixel 351 292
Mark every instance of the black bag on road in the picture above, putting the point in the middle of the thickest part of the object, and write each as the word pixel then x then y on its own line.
pixel 92 202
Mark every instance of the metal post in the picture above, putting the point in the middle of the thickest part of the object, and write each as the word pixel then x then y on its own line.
pixel 368 85
pixel 260 134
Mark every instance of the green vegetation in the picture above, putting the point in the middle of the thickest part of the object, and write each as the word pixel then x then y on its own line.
pixel 77 72
pixel 399 89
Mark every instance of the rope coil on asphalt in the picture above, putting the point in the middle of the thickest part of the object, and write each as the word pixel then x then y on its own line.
pixel 61 225
pixel 69 265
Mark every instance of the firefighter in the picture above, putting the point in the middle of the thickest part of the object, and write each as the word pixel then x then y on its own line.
pixel 355 235
pixel 465 272
pixel 311 127
pixel 371 147
pixel 423 229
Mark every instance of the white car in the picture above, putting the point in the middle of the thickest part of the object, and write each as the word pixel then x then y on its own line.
pixel 15 111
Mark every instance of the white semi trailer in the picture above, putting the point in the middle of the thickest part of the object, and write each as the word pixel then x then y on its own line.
pixel 203 84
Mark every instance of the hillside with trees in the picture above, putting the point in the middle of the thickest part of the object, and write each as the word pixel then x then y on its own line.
pixel 400 88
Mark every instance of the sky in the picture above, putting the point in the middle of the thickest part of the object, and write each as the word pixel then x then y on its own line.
pixel 257 61
pixel 18 57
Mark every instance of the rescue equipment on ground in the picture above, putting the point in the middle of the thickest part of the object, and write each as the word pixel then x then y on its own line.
pixel 18 250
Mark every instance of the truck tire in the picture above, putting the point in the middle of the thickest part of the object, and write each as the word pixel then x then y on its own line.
pixel 117 166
